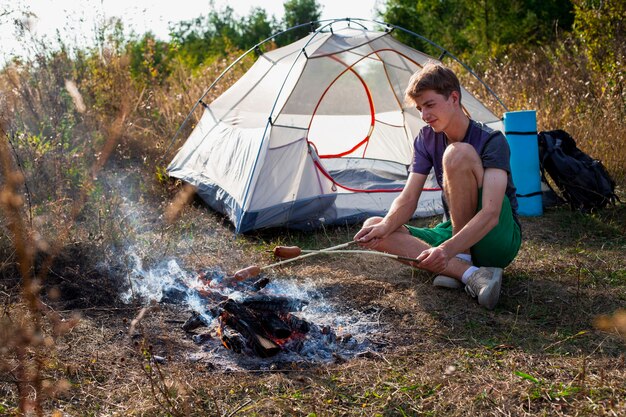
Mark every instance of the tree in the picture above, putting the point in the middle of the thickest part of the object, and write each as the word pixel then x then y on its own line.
pixel 207 36
pixel 219 33
pixel 480 28
pixel 298 12
pixel 256 28
pixel 600 26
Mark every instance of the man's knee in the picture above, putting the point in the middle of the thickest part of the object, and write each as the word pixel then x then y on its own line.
pixel 458 155
pixel 459 160
pixel 372 221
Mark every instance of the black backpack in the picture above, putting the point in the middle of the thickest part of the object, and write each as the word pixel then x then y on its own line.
pixel 583 181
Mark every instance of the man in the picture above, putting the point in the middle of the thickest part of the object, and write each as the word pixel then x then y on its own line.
pixel 471 162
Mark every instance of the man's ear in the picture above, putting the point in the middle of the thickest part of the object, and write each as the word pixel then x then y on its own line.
pixel 455 96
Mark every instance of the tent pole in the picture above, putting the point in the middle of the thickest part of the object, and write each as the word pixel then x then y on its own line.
pixel 323 24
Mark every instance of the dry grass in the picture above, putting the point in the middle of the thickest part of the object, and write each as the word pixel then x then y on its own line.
pixel 89 156
pixel 537 353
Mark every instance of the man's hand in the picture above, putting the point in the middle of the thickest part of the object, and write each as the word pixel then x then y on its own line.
pixel 400 212
pixel 369 236
pixel 434 259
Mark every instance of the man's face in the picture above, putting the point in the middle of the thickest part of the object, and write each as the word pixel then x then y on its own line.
pixel 436 110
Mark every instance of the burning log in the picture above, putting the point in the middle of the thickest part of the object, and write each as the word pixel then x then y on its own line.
pixel 231 338
pixel 257 339
pixel 259 323
pixel 260 283
pixel 248 324
pixel 297 324
pixel 273 304
pixel 275 326
pixel 196 320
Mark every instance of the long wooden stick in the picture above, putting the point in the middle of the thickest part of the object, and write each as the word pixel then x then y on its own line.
pixel 254 270
pixel 365 252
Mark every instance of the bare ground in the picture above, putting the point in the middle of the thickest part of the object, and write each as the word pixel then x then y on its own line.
pixel 537 353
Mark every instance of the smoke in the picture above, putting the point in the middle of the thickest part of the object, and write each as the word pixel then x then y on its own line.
pixel 152 284
pixel 155 273
pixel 332 334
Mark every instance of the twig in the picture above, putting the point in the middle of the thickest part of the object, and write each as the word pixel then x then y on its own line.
pixel 195 253
pixel 99 309
pixel 508 337
pixel 580 333
pixel 597 347
pixel 236 410
pixel 380 314
pixel 19 165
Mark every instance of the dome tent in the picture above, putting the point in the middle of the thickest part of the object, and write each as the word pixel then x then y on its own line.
pixel 315 132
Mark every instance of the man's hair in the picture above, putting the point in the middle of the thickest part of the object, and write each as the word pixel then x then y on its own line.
pixel 433 76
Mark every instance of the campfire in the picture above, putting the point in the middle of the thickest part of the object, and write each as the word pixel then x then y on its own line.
pixel 259 319
pixel 261 324
pixel 255 323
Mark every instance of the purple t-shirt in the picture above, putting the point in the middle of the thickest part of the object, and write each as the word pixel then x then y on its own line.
pixel 491 146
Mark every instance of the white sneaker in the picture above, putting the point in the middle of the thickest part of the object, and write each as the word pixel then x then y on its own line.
pixel 447 282
pixel 484 284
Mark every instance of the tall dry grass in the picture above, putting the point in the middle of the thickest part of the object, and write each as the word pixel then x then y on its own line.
pixel 70 121
pixel 559 83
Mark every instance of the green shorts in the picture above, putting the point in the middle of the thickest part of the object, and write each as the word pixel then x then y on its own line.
pixel 498 248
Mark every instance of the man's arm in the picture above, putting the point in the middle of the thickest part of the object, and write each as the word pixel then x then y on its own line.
pixel 400 212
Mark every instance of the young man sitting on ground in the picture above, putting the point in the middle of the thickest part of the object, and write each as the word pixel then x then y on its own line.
pixel 471 163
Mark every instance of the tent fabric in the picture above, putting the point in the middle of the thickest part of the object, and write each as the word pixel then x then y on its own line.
pixel 314 133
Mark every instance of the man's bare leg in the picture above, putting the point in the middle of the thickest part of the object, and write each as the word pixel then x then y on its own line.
pixel 462 176
pixel 402 243
pixel 463 172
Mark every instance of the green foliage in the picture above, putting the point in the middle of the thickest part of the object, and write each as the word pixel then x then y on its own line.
pixel 105 79
pixel 527 377
pixel 478 29
pixel 149 59
pixel 256 28
pixel 203 39
pixel 161 175
pixel 425 18
pixel 600 26
pixel 198 39
pixel 542 390
pixel 298 12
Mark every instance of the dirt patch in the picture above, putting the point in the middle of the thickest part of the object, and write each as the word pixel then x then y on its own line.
pixel 72 280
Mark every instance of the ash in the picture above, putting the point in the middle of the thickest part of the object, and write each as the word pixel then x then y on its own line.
pixel 332 336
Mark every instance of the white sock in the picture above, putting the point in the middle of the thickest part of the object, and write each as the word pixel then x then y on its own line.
pixel 467 273
pixel 465 257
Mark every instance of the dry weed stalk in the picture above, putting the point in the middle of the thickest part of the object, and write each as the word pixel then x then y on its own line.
pixel 25 345
pixel 168 393
pixel 182 198
pixel 615 323
pixel 21 337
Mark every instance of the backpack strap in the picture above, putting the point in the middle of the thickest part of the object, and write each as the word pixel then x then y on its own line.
pixel 548 143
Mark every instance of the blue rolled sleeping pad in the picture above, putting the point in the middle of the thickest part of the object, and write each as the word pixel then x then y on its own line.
pixel 520 129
